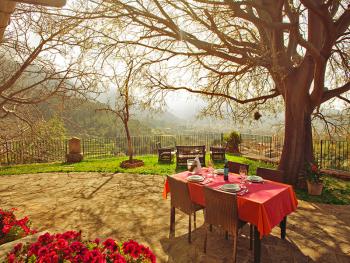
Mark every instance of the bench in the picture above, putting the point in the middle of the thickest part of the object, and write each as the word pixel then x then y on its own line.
pixel 184 153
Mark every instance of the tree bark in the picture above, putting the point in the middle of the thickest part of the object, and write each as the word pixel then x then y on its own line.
pixel 298 148
pixel 128 137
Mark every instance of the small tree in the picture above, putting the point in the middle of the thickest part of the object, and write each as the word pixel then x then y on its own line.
pixel 127 77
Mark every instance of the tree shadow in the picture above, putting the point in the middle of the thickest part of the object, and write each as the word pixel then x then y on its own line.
pixel 220 250
pixel 322 228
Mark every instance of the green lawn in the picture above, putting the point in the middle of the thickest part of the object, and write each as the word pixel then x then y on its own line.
pixel 336 191
pixel 111 165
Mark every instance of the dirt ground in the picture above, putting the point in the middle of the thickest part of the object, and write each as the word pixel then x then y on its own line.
pixel 130 206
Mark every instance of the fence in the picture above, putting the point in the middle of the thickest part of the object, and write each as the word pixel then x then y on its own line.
pixel 329 154
pixel 39 151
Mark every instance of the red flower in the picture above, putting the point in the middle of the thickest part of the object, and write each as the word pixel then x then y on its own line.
pixel 17 248
pixel 314 168
pixel 77 246
pixel 62 243
pixel 11 258
pixel 42 251
pixel 110 244
pixel 68 247
pixel 6 229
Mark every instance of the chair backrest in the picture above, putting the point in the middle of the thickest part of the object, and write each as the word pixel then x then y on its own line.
pixel 180 195
pixel 189 149
pixel 217 149
pixel 221 209
pixel 270 174
pixel 233 167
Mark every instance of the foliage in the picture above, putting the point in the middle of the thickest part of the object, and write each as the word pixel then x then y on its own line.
pixel 53 129
pixel 313 173
pixel 81 119
pixel 12 228
pixel 69 247
pixel 335 191
pixel 233 140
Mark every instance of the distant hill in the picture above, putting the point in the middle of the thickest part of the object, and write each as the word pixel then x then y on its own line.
pixel 81 118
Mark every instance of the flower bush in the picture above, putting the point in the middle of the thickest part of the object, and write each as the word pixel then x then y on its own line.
pixel 12 228
pixel 313 173
pixel 69 247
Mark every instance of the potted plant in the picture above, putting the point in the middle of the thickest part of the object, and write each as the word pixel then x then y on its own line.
pixel 314 179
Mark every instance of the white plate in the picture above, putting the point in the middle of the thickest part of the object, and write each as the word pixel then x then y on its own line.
pixel 219 171
pixel 254 178
pixel 230 187
pixel 195 178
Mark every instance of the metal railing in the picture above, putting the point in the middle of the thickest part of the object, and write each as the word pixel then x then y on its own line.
pixel 329 154
pixel 332 154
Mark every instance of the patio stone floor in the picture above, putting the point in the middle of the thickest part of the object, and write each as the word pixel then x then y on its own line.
pixel 130 206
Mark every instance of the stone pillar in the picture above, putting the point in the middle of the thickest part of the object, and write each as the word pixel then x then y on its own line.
pixel 75 155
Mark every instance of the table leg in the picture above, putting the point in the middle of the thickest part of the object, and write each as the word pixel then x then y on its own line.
pixel 172 222
pixel 283 226
pixel 257 245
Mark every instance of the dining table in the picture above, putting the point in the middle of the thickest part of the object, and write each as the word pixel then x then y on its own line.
pixel 264 204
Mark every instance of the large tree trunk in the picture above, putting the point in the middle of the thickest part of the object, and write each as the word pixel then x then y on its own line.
pixel 297 149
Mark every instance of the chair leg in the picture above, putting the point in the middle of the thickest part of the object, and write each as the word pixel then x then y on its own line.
pixel 189 228
pixel 205 238
pixel 235 236
pixel 251 237
pixel 194 220
pixel 211 228
pixel 172 221
pixel 226 235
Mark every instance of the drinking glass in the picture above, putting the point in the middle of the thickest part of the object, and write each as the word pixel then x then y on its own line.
pixel 211 168
pixel 190 165
pixel 243 173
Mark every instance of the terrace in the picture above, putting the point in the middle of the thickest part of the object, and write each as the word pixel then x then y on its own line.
pixel 100 68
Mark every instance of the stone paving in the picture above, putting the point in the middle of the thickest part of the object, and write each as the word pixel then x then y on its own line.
pixel 130 206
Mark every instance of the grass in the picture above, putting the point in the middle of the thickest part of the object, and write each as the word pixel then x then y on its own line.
pixel 112 165
pixel 335 191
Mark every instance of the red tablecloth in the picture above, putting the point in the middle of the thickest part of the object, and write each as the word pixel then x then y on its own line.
pixel 265 205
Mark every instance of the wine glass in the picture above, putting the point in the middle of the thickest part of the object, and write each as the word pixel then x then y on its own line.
pixel 243 173
pixel 211 168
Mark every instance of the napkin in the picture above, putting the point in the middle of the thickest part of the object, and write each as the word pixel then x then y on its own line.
pixel 198 166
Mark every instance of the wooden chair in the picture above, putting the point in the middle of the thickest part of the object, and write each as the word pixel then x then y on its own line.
pixel 221 210
pixel 233 167
pixel 165 154
pixel 277 176
pixel 180 199
pixel 270 174
pixel 217 153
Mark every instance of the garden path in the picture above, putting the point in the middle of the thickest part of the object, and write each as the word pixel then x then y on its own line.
pixel 130 206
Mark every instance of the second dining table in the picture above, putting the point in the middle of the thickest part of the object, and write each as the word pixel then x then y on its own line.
pixel 264 205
